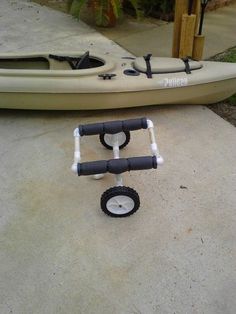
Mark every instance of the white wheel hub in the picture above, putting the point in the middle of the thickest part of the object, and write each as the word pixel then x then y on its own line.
pixel 109 138
pixel 120 204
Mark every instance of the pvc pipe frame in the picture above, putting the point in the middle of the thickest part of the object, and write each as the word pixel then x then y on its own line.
pixel 154 146
pixel 116 151
pixel 77 156
pixel 116 154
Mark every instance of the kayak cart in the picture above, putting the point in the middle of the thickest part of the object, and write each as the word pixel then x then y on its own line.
pixel 118 201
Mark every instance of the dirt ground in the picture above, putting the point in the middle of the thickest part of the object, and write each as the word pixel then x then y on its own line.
pixel 60 5
pixel 225 109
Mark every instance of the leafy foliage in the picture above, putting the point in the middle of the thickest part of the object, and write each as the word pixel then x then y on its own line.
pixel 155 8
pixel 136 4
pixel 74 6
pixel 163 6
pixel 103 9
pixel 117 7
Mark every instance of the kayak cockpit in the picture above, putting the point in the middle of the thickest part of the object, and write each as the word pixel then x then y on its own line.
pixel 82 62
pixel 25 63
pixel 51 62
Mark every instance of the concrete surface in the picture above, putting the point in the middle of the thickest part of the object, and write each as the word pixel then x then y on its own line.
pixel 27 26
pixel 154 36
pixel 59 252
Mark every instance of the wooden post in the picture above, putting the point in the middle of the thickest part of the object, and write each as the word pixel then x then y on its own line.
pixel 198 47
pixel 196 11
pixel 187 35
pixel 186 42
pixel 181 7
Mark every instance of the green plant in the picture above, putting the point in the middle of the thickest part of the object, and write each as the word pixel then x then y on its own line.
pixel 149 7
pixel 163 9
pixel 232 100
pixel 106 11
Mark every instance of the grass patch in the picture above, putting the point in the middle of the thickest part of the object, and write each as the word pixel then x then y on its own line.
pixel 226 56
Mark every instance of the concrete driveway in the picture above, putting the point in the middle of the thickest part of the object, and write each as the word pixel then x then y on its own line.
pixel 60 253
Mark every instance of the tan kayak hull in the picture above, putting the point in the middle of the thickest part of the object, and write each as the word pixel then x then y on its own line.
pixel 208 93
pixel 41 82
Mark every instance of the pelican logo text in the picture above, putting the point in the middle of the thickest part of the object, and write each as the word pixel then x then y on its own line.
pixel 175 82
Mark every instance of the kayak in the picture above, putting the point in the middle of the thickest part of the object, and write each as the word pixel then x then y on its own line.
pixel 84 81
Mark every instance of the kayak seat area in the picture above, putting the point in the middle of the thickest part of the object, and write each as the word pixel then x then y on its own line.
pixel 165 65
pixel 25 63
pixel 57 65
pixel 48 63
pixel 74 63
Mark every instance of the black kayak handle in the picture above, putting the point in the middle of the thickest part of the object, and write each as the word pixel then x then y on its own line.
pixel 113 127
pixel 116 166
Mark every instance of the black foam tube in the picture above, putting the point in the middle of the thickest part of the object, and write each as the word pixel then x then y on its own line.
pixel 113 127
pixel 116 166
pixel 93 167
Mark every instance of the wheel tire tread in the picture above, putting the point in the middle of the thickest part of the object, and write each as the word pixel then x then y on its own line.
pixel 103 142
pixel 119 190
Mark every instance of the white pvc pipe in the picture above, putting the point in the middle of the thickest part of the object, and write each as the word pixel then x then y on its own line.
pixel 154 146
pixel 150 124
pixel 115 146
pixel 119 180
pixel 116 153
pixel 116 150
pixel 77 156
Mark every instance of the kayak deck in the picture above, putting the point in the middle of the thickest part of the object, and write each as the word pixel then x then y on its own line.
pixel 81 81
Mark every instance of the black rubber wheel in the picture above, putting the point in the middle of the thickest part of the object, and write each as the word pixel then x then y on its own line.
pixel 120 201
pixel 124 138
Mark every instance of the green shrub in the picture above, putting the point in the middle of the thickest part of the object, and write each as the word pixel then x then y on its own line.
pixel 164 6
pixel 106 12
pixel 156 8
